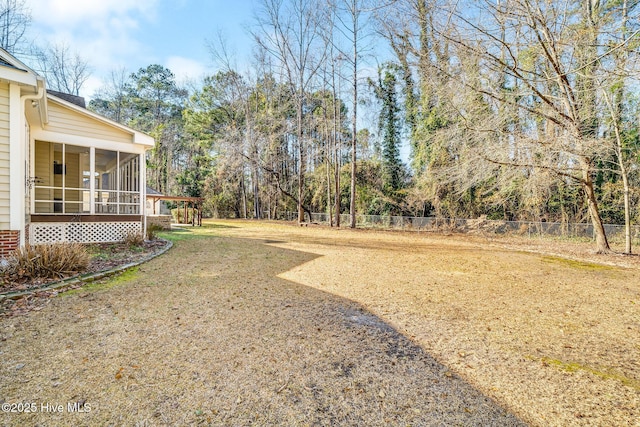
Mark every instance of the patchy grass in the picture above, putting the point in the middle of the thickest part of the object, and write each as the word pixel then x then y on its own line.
pixel 108 283
pixel 180 234
pixel 104 256
pixel 605 375
pixel 581 265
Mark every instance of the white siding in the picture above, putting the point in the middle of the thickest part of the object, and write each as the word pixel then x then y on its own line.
pixel 67 121
pixel 4 157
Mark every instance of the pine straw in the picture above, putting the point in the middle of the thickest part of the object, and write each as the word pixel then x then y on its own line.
pixel 102 257
pixel 268 324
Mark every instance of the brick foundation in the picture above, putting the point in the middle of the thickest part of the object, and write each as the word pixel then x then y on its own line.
pixel 9 241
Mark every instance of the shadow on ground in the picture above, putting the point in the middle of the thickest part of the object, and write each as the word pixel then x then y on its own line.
pixel 209 335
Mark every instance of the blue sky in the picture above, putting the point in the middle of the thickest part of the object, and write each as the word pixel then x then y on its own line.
pixel 112 34
pixel 131 34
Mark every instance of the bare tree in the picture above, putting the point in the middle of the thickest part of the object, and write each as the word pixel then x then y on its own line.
pixel 15 18
pixel 613 93
pixel 350 21
pixel 289 31
pixel 223 56
pixel 333 65
pixel 553 53
pixel 64 70
pixel 112 99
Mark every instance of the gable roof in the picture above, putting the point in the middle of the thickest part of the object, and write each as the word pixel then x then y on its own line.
pixel 7 64
pixel 74 99
pixel 153 192
pixel 8 60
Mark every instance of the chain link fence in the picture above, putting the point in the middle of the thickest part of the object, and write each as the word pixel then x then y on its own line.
pixel 524 228
pixel 479 225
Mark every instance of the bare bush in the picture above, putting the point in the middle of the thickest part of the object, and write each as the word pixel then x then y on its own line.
pixel 152 231
pixel 133 238
pixel 48 261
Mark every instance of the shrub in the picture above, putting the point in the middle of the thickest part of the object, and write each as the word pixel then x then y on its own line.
pixel 133 238
pixel 152 231
pixel 48 261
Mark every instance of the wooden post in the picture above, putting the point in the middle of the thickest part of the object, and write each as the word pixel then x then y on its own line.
pixel 184 219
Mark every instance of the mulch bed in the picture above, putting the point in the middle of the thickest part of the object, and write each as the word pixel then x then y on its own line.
pixel 104 256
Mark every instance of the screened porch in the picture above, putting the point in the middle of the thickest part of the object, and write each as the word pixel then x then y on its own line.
pixel 85 194
pixel 72 180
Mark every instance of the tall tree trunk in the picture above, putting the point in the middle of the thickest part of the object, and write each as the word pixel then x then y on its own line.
pixel 616 113
pixel 615 122
pixel 336 147
pixel 602 244
pixel 354 117
pixel 336 193
pixel 627 214
pixel 244 196
pixel 302 165
pixel 327 157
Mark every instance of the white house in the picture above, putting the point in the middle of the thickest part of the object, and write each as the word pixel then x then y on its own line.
pixel 66 173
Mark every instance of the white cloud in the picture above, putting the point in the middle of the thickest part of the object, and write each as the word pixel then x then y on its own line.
pixel 65 13
pixel 101 31
pixel 90 87
pixel 185 69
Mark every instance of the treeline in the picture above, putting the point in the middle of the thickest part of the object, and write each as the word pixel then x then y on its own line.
pixel 517 110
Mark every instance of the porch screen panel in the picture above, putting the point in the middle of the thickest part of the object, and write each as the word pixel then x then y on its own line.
pixel 129 183
pixel 106 175
pixel 43 169
pixel 76 165
pixel 86 176
pixel 58 178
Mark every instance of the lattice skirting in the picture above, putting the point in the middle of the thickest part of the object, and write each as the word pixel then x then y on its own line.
pixel 82 232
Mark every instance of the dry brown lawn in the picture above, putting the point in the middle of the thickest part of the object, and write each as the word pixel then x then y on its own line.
pixel 269 324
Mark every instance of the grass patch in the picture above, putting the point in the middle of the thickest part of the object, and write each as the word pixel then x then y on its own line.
pixel 217 225
pixel 580 265
pixel 575 367
pixel 104 284
pixel 179 234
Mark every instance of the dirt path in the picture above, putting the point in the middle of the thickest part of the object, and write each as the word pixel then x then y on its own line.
pixel 223 331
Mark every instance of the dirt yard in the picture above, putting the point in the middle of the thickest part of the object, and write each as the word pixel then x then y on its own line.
pixel 260 323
